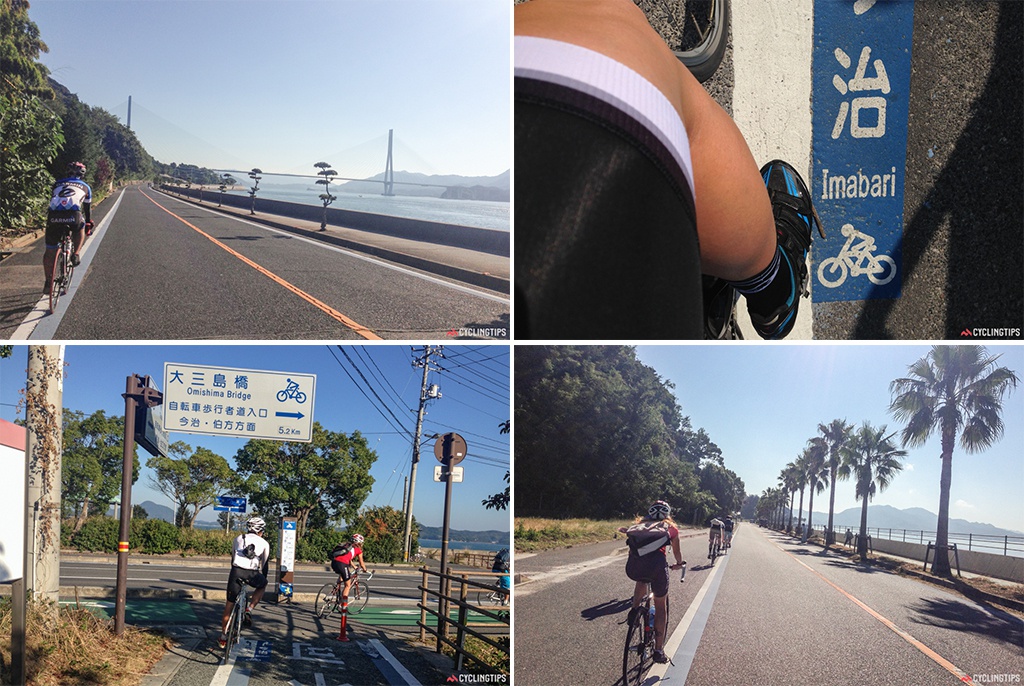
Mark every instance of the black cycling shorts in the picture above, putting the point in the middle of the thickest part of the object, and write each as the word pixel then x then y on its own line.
pixel 252 577
pixel 342 569
pixel 652 568
pixel 605 240
pixel 59 222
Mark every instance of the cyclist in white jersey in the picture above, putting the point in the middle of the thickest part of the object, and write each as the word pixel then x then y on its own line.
pixel 69 210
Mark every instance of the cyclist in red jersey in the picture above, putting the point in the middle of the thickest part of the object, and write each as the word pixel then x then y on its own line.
pixel 343 558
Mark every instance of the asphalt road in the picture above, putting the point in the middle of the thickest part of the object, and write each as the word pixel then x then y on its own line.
pixel 164 269
pixel 773 612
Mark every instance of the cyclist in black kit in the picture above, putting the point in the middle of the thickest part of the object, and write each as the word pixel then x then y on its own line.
pixel 70 210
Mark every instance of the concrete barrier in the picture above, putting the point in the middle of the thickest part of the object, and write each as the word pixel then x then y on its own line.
pixel 1003 567
pixel 491 241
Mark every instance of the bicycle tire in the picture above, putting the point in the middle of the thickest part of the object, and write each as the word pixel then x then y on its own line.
pixel 634 655
pixel 326 600
pixel 56 281
pixel 837 264
pixel 875 279
pixel 701 55
pixel 360 595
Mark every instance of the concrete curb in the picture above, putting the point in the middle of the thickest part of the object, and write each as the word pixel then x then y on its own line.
pixel 164 670
pixel 481 279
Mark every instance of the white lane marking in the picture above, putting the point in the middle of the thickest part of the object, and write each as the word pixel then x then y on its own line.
pixel 772 45
pixel 232 673
pixel 358 256
pixel 39 324
pixel 541 580
pixel 410 680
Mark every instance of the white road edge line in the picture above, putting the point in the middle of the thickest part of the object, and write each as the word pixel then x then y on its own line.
pixel 410 680
pixel 697 606
pixel 350 253
pixel 38 324
pixel 227 675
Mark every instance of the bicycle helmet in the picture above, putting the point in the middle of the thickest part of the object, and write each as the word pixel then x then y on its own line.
pixel 256 525
pixel 357 539
pixel 659 510
pixel 76 169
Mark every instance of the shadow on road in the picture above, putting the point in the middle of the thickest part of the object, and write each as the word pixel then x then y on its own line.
pixel 972 212
pixel 958 616
pixel 610 607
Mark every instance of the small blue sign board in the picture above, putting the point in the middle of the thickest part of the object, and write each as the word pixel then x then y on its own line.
pixel 227 503
pixel 285 589
pixel 861 86
pixel 289 524
pixel 261 652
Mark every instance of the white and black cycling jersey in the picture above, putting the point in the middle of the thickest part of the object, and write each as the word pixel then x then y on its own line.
pixel 250 551
pixel 70 195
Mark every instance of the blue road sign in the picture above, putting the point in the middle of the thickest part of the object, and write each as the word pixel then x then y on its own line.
pixel 228 503
pixel 861 84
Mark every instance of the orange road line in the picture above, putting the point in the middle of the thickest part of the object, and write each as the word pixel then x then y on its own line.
pixel 938 659
pixel 363 331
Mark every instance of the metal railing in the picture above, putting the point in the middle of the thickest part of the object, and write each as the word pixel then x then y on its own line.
pixel 995 545
pixel 438 605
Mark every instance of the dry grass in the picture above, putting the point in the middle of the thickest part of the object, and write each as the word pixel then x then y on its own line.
pixel 532 533
pixel 69 646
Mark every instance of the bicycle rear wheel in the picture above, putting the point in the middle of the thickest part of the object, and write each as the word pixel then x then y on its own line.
pixel 695 30
pixel 360 594
pixel 326 601
pixel 635 655
pixel 57 281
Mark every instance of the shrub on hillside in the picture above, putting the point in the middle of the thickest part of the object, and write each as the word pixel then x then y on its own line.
pixel 98 534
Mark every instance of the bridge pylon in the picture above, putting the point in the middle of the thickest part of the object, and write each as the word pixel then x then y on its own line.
pixel 389 168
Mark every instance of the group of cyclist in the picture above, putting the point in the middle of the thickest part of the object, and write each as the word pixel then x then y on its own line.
pixel 647 564
pixel 250 559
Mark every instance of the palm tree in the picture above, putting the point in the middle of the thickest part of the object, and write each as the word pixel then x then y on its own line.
pixel 801 483
pixel 790 477
pixel 814 471
pixel 834 434
pixel 874 461
pixel 953 389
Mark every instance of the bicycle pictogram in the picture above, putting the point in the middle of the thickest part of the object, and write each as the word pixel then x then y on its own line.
pixel 291 391
pixel 856 260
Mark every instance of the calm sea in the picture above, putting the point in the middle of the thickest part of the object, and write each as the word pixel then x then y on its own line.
pixel 460 545
pixel 484 214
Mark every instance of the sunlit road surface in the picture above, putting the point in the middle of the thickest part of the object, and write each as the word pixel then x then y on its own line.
pixel 770 612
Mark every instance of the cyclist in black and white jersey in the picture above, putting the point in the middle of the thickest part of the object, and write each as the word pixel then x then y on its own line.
pixel 250 558
pixel 717 529
pixel 729 526
pixel 69 210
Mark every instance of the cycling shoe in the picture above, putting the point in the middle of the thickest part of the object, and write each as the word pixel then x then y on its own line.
pixel 75 259
pixel 794 220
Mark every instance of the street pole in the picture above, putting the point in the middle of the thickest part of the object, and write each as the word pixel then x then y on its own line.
pixel 44 413
pixel 425 363
pixel 132 390
pixel 445 583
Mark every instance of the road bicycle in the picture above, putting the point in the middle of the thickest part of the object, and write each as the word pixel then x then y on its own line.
pixel 498 597
pixel 714 550
pixel 328 599
pixel 235 621
pixel 63 269
pixel 856 260
pixel 638 654
pixel 696 31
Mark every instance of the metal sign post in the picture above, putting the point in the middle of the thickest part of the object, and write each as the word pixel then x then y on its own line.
pixel 286 559
pixel 137 393
pixel 449 449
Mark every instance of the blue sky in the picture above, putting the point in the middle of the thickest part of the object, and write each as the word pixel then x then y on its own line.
pixel 761 403
pixel 283 85
pixel 475 399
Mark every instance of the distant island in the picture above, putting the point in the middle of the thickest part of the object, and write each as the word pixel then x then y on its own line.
pixel 449 186
pixel 433 533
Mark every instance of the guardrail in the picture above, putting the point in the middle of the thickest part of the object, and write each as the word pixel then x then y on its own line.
pixel 995 545
pixel 444 599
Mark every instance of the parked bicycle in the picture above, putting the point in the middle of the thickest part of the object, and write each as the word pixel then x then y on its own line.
pixel 63 269
pixel 328 599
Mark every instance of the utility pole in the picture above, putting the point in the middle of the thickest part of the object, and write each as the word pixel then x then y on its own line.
pixel 44 409
pixel 426 393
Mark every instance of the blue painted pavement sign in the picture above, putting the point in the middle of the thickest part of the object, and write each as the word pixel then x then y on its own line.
pixel 861 85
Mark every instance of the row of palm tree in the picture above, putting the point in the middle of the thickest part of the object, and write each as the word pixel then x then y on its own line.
pixel 955 391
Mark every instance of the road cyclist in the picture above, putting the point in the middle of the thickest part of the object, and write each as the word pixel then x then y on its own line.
pixel 69 211
pixel 647 564
pixel 729 527
pixel 343 559
pixel 715 536
pixel 250 558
